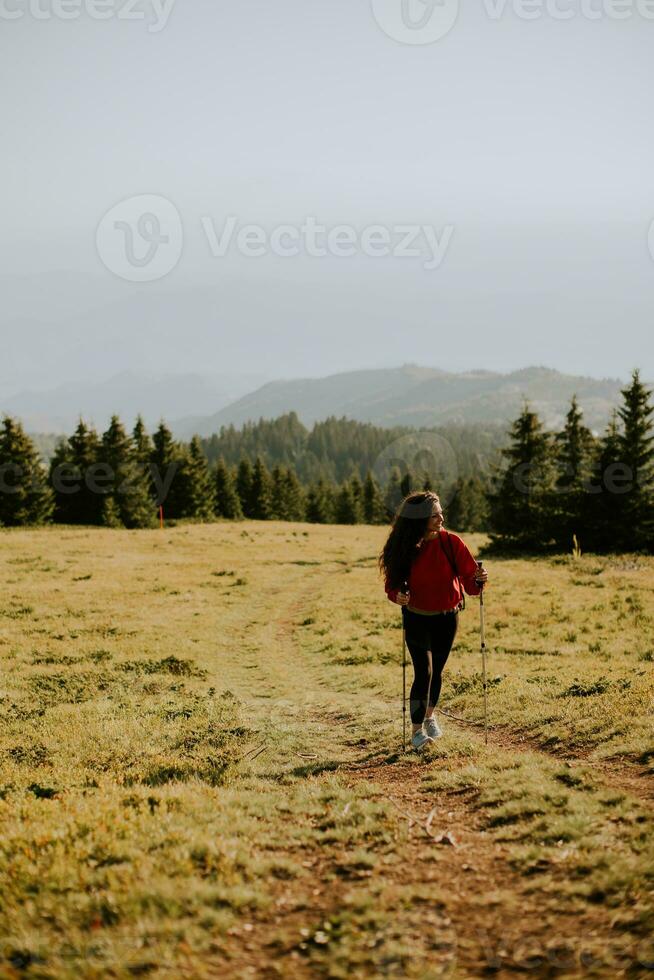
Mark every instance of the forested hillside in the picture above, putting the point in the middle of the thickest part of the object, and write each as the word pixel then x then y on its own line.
pixel 336 448
pixel 533 489
pixel 418 396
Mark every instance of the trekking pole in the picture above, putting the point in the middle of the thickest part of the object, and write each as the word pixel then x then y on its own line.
pixel 403 679
pixel 480 566
pixel 403 689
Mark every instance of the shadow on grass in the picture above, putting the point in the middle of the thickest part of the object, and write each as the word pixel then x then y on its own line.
pixel 332 765
pixel 371 760
pixel 305 771
pixel 317 768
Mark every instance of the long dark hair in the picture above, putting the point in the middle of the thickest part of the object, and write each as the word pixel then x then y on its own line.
pixel 410 525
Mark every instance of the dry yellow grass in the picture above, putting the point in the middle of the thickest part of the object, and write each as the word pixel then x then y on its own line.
pixel 200 766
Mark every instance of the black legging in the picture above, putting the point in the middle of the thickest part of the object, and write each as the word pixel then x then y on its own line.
pixel 429 639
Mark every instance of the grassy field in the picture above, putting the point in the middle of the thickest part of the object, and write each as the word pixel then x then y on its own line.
pixel 201 771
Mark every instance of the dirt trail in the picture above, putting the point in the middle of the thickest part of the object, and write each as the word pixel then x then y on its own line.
pixel 485 918
pixel 467 930
pixel 627 777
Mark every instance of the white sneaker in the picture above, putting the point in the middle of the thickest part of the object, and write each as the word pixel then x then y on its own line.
pixel 430 728
pixel 419 741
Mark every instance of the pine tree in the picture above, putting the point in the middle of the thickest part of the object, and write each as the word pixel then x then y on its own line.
pixel 320 506
pixel 467 509
pixel 314 513
pixel 143 447
pixel 568 507
pixel 574 447
pixel 406 484
pixel 347 506
pixel 636 506
pixel 393 495
pixel 244 478
pixel 295 497
pixel 287 496
pixel 129 485
pixel 456 513
pixel 519 508
pixel 373 503
pixel 165 464
pixel 278 502
pixel 261 491
pixel 72 474
pixel 110 515
pixel 356 487
pixel 227 500
pixel 477 504
pixel 196 486
pixel 25 497
pixel 601 527
pixel 64 478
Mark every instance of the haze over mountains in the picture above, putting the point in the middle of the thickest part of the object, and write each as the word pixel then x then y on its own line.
pixel 237 111
pixel 419 396
pixel 127 394
pixel 408 395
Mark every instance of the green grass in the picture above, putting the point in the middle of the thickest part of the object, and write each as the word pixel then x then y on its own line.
pixel 539 668
pixel 582 841
pixel 183 751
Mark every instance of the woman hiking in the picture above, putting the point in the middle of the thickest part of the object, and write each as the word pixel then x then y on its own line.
pixel 426 570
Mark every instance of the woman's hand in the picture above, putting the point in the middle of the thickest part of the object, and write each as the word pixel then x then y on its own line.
pixel 402 598
pixel 481 577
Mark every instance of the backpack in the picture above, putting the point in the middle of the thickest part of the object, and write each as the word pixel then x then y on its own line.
pixel 452 561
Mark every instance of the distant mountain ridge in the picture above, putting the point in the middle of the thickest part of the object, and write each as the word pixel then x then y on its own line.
pixel 127 394
pixel 419 396
pixel 410 395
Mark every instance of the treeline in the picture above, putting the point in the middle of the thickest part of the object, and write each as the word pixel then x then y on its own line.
pixel 545 490
pixel 336 449
pixel 121 479
pixel 571 490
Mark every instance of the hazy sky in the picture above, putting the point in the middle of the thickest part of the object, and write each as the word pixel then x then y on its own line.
pixel 525 146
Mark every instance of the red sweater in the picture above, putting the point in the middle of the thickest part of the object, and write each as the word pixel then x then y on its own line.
pixel 432 582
